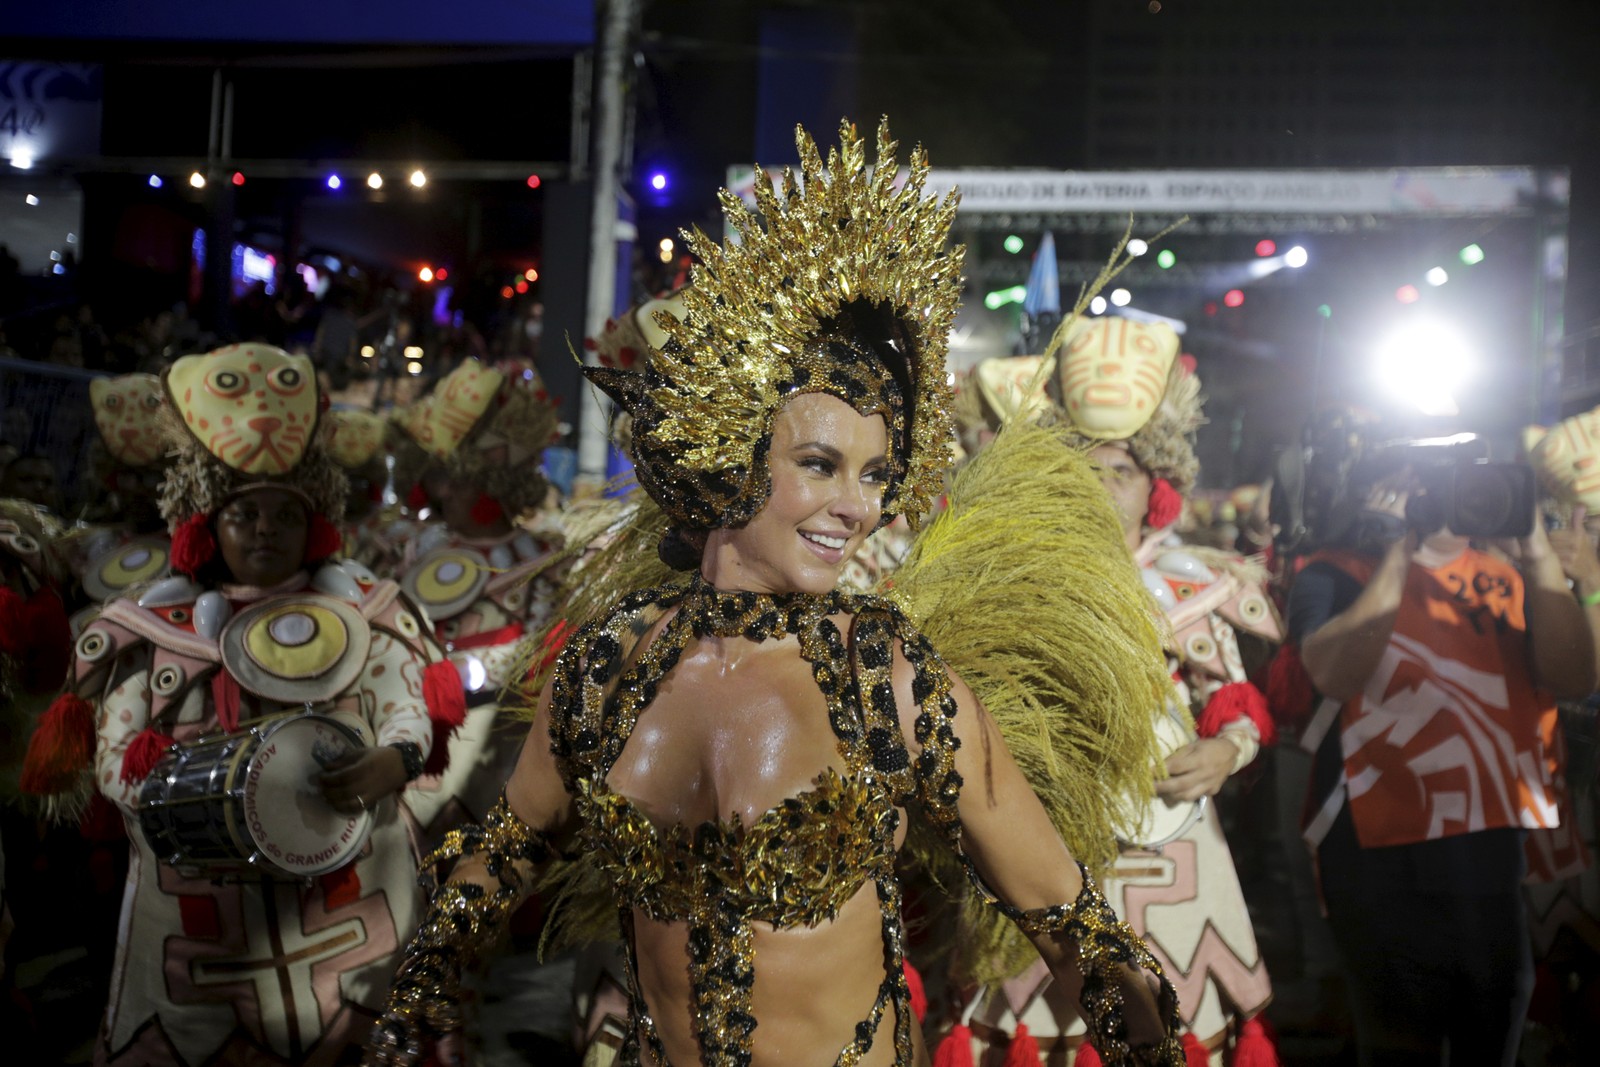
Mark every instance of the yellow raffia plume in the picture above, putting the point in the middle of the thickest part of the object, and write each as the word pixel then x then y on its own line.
pixel 1028 591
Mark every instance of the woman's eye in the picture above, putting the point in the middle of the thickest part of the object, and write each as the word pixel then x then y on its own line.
pixel 877 476
pixel 818 464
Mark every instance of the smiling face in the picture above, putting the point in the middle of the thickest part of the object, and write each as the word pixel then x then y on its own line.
pixel 253 406
pixel 125 412
pixel 262 536
pixel 829 467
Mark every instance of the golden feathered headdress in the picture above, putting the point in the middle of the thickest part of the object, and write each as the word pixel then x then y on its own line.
pixel 844 286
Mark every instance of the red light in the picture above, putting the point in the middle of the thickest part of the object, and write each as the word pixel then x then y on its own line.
pixel 522 287
pixel 238 177
pixel 533 181
pixel 1407 294
pixel 1233 298
pixel 506 292
pixel 1211 307
pixel 1266 248
pixel 441 274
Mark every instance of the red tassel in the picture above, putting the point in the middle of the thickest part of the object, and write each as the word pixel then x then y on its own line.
pixel 447 707
pixel 486 510
pixel 956 1049
pixel 1289 691
pixel 919 995
pixel 1237 700
pixel 193 545
pixel 1165 505
pixel 62 747
pixel 322 540
pixel 225 696
pixel 143 753
pixel 1087 1057
pixel 1258 1045
pixel 1023 1050
pixel 1195 1053
pixel 417 498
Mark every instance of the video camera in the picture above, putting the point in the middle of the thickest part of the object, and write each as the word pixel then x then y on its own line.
pixel 1320 490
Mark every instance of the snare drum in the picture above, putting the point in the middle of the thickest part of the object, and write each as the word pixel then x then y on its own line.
pixel 1160 822
pixel 247 804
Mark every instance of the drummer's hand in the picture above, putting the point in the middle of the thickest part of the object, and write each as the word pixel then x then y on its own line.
pixel 1197 770
pixel 358 780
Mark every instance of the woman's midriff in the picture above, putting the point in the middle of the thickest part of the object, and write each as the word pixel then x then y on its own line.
pixel 812 987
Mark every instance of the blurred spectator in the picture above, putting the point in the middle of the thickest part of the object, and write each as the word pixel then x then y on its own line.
pixel 31 477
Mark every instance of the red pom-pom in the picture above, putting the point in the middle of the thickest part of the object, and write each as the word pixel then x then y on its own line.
pixel 1237 700
pixel 486 510
pixel 417 498
pixel 1165 505
pixel 1290 694
pixel 144 752
pixel 1195 1053
pixel 62 747
pixel 193 545
pixel 447 708
pixel 956 1049
pixel 1023 1050
pixel 918 995
pixel 1258 1045
pixel 322 540
pixel 1087 1057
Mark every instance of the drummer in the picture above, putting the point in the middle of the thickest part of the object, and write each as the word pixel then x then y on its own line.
pixel 1134 405
pixel 213 965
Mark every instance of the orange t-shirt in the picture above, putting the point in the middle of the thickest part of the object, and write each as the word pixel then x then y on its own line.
pixel 1450 734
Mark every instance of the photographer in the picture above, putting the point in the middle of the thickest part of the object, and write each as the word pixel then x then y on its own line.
pixel 1438 667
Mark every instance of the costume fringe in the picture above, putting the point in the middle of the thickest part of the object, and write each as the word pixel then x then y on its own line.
pixel 1027 590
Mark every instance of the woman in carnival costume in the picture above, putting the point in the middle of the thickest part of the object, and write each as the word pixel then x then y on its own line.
pixel 1123 396
pixel 732 755
pixel 277 957
pixel 483 579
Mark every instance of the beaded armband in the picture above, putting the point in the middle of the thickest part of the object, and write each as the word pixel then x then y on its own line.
pixel 464 921
pixel 1104 944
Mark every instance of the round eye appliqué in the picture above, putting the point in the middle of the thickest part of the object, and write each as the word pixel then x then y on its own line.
pixel 113 402
pixel 93 645
pixel 152 401
pixel 226 382
pixel 286 380
pixel 167 680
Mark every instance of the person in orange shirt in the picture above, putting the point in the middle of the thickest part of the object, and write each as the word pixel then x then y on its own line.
pixel 1438 666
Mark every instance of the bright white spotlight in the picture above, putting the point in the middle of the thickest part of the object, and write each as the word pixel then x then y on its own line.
pixel 22 158
pixel 418 179
pixel 1426 363
pixel 374 180
pixel 1437 276
pixel 197 180
pixel 1136 247
pixel 1121 297
pixel 1097 306
pixel 1296 257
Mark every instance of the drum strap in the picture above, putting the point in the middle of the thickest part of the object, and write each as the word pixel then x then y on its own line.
pixel 225 697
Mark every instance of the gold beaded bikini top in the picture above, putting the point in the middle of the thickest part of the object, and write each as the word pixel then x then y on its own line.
pixel 797 863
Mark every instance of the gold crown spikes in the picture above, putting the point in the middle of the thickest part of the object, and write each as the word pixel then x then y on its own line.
pixel 836 236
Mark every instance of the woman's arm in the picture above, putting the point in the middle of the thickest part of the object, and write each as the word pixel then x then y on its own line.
pixel 1011 845
pixel 1560 643
pixel 495 869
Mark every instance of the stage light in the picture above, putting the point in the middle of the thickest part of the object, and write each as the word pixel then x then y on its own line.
pixel 1266 248
pixel 367 351
pixel 531 274
pixel 1437 276
pixel 1166 258
pixel 334 182
pixel 1137 247
pixel 414 367
pixel 1296 257
pixel 1013 244
pixel 418 179
pixel 155 181
pixel 1121 297
pixel 1210 307
pixel 197 180
pixel 507 292
pixel 658 181
pixel 1407 294
pixel 1233 298
pixel 534 182
pixel 31 200
pixel 1325 310
pixel 425 275
pixel 440 275
pixel 238 177
pixel 521 286
pixel 667 244
pixel 1472 254
pixel 1425 363
pixel 374 180
pixel 22 158
pixel 1097 306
